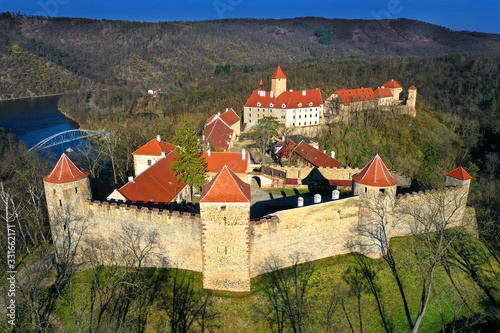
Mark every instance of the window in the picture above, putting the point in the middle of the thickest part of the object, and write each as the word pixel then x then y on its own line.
pixel 293 118
pixel 300 116
pixel 271 105
pixel 222 208
pixel 300 105
pixel 149 162
pixel 366 189
pixel 249 121
pixel 54 192
pixel 299 124
pixel 76 189
pixel 60 203
pixel 258 104
pixel 382 191
pixel 283 105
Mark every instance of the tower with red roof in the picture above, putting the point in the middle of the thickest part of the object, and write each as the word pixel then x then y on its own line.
pixel 412 97
pixel 458 177
pixel 396 89
pixel 278 82
pixel 225 218
pixel 375 178
pixel 67 187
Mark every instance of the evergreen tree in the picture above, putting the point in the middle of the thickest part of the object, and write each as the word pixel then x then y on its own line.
pixel 189 166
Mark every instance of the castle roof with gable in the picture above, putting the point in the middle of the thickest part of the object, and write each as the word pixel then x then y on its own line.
pixel 157 183
pixel 349 96
pixel 285 100
pixel 65 171
pixel 316 157
pixel 278 74
pixel 382 92
pixel 392 84
pixel 226 187
pixel 217 134
pixel 375 173
pixel 459 173
pixel 155 147
pixel 230 117
pixel 234 161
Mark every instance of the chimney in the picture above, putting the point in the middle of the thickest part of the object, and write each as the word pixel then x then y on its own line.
pixel 271 94
pixel 209 153
pixel 158 138
pixel 243 155
pixel 227 109
pixel 218 113
pixel 203 137
pixel 324 151
pixel 303 92
pixel 283 138
pixel 131 179
pixel 163 154
pixel 332 154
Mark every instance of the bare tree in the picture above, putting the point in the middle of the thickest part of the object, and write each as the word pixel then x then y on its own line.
pixel 287 291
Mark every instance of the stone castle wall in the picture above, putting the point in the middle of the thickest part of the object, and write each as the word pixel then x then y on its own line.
pixel 296 172
pixel 179 233
pixel 312 232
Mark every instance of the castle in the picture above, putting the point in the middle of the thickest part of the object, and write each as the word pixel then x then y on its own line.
pixel 222 241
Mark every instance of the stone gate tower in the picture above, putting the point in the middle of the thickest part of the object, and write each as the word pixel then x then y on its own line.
pixel 225 218
pixel 412 97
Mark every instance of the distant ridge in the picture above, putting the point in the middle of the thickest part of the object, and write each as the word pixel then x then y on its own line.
pixel 77 53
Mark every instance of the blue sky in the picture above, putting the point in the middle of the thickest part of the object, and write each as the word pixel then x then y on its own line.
pixel 478 15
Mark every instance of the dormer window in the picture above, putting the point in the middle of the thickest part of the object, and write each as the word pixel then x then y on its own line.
pixel 283 105
pixel 300 105
pixel 310 103
pixel 258 104
pixel 271 105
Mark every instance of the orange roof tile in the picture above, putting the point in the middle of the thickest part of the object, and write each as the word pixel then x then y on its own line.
pixel 281 150
pixel 392 84
pixel 412 88
pixel 217 160
pixel 349 96
pixel 65 171
pixel 382 92
pixel 290 99
pixel 157 183
pixel 218 134
pixel 230 117
pixel 459 173
pixel 278 74
pixel 375 173
pixel 225 187
pixel 155 147
pixel 209 120
pixel 317 157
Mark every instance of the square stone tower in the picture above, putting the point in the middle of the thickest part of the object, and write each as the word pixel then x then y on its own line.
pixel 225 218
pixel 278 82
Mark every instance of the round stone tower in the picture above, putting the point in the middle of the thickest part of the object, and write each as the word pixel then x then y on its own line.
pixel 375 178
pixel 67 186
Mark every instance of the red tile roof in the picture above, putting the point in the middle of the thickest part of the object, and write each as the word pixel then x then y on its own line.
pixel 155 147
pixel 413 88
pixel 217 160
pixel 281 150
pixel 317 157
pixel 209 120
pixel 382 92
pixel 375 173
pixel 225 187
pixel 278 74
pixel 459 173
pixel 392 84
pixel 218 134
pixel 290 99
pixel 230 117
pixel 65 171
pixel 158 183
pixel 349 96
pixel 261 83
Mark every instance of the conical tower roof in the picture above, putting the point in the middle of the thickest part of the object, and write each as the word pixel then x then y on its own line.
pixel 225 187
pixel 278 74
pixel 459 173
pixel 65 171
pixel 375 173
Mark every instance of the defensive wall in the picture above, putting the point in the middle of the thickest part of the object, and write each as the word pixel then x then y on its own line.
pixel 230 249
pixel 179 233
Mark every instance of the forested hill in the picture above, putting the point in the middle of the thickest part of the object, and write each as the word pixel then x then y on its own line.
pixel 62 54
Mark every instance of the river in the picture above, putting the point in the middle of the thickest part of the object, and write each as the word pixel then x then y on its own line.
pixel 34 119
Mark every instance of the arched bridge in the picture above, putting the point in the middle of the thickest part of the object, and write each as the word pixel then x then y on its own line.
pixel 66 136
